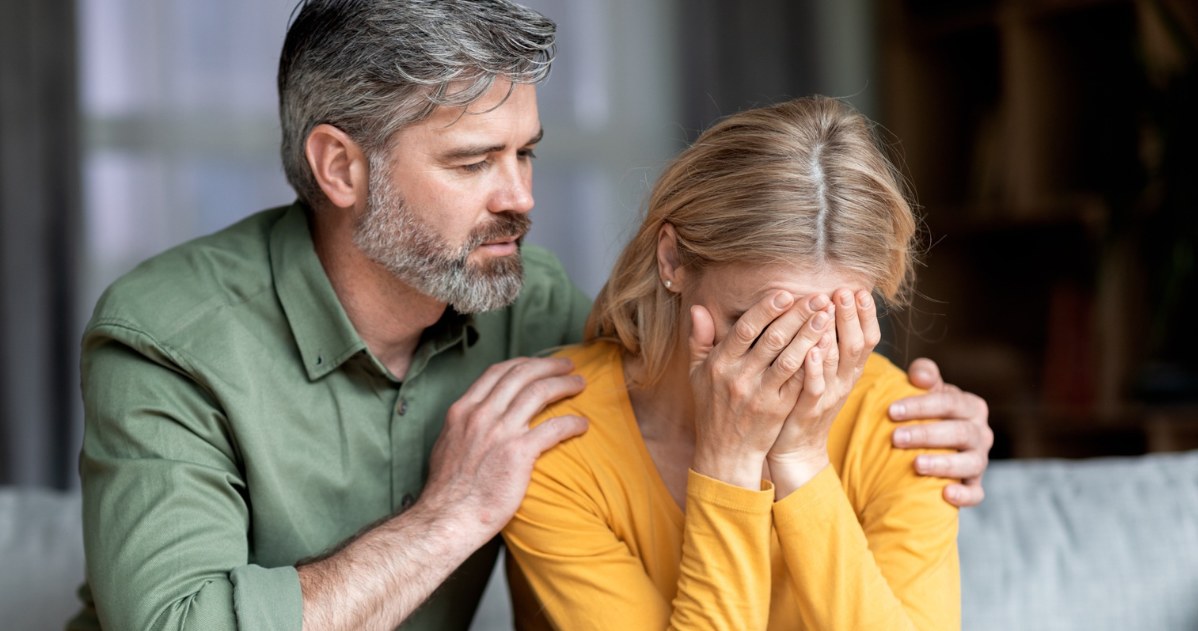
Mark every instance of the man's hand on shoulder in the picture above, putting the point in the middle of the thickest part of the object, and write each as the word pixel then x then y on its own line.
pixel 482 462
pixel 478 473
pixel 964 426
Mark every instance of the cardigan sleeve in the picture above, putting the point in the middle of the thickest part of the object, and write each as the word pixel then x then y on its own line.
pixel 884 558
pixel 584 577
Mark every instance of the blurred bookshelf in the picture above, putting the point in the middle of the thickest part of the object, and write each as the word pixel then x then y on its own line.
pixel 1051 145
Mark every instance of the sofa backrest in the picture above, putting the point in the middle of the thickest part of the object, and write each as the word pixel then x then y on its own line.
pixel 1107 543
pixel 1099 544
pixel 41 558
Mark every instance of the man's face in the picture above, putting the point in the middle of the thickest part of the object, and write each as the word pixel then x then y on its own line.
pixel 448 208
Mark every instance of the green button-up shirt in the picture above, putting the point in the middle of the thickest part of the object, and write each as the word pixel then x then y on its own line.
pixel 235 423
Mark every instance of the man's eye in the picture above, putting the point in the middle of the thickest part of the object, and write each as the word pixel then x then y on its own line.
pixel 474 167
pixel 528 154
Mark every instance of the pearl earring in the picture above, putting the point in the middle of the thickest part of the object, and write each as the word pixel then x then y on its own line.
pixel 668 283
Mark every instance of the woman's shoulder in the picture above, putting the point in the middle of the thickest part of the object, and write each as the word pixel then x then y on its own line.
pixel 881 378
pixel 608 450
pixel 861 442
pixel 595 358
pixel 866 411
pixel 604 400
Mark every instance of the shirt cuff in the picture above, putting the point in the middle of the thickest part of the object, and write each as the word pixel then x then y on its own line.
pixel 730 496
pixel 267 598
pixel 811 500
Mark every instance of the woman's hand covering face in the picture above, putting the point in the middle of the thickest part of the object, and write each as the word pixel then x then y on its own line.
pixel 830 370
pixel 775 382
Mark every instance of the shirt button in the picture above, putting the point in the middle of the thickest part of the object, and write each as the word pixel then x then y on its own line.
pixel 407 501
pixel 402 408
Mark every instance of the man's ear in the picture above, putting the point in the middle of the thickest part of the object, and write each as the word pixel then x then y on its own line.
pixel 668 266
pixel 338 164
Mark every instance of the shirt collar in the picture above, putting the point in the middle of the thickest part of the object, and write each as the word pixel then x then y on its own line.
pixel 323 331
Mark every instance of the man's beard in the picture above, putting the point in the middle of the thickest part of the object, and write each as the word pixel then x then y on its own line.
pixel 393 236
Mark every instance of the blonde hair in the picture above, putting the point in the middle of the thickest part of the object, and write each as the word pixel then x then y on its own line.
pixel 800 181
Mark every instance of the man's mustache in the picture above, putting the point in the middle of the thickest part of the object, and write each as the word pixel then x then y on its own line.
pixel 505 224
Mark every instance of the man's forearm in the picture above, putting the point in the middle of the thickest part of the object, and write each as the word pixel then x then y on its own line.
pixel 381 577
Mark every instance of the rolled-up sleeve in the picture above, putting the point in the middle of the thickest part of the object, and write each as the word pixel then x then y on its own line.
pixel 166 516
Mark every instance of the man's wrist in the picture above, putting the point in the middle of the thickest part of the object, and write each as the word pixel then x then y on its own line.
pixel 463 523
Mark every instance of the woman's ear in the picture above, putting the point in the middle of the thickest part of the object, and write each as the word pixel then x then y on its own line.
pixel 668 266
pixel 338 164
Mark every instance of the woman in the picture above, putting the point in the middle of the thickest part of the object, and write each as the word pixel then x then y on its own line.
pixel 738 471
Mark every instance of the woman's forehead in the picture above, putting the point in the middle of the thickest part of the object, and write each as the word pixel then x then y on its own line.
pixel 748 283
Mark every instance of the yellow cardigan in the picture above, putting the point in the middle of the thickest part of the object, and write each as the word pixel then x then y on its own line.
pixel 599 543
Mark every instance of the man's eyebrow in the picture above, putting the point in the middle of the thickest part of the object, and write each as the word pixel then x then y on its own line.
pixel 482 150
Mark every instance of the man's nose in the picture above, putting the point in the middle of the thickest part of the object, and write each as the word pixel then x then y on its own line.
pixel 514 193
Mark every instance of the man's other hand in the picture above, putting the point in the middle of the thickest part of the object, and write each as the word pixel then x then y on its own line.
pixel 964 426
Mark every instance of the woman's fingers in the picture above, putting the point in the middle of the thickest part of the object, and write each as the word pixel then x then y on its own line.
pixel 750 325
pixel 857 332
pixel 867 313
pixel 789 361
pixel 702 338
pixel 814 381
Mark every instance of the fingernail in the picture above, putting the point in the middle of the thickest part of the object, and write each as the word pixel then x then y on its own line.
pixel 819 321
pixel 864 301
pixel 783 300
pixel 819 302
pixel 846 299
pixel 901 437
pixel 897 409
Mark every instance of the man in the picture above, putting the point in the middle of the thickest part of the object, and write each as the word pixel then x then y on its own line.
pixel 319 416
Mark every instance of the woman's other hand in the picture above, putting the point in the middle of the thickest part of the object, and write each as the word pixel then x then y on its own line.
pixel 830 370
pixel 745 385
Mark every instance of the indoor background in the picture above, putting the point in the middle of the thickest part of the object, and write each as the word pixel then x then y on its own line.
pixel 1049 143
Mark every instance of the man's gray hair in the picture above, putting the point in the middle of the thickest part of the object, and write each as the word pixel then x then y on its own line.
pixel 373 67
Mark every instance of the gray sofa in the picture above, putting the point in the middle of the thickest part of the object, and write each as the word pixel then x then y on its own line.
pixel 1097 544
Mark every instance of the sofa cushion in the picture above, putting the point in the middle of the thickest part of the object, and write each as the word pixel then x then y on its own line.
pixel 41 552
pixel 1107 543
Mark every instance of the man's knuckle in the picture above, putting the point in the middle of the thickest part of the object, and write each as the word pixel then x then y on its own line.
pixel 521 369
pixel 982 407
pixel 539 390
pixel 964 434
pixel 918 434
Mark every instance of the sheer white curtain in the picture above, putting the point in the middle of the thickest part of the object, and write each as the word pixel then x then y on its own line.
pixel 181 131
pixel 182 136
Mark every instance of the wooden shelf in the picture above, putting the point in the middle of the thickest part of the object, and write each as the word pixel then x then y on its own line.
pixel 1025 129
